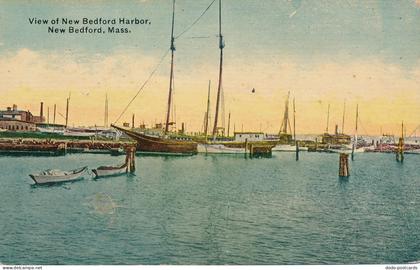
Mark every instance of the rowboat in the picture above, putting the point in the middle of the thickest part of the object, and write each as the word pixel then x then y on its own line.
pixel 56 176
pixel 104 171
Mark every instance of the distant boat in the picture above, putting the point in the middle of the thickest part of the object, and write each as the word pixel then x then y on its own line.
pixel 219 149
pixel 104 171
pixel 287 148
pixel 80 132
pixel 57 176
pixel 164 144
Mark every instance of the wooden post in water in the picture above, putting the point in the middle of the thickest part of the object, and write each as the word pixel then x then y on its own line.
pixel 352 152
pixel 400 148
pixel 246 145
pixel 130 159
pixel 297 150
pixel 344 165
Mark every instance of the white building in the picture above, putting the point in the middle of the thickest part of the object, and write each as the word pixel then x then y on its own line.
pixel 250 136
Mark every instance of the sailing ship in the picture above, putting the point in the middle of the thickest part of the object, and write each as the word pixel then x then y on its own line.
pixel 220 145
pixel 338 139
pixel 165 143
pixel 287 143
pixel 356 144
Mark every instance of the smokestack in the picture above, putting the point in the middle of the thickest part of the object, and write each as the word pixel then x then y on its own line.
pixel 14 107
pixel 41 112
pixel 132 121
pixel 336 129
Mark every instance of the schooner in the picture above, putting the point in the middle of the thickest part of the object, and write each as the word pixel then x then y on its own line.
pixel 164 144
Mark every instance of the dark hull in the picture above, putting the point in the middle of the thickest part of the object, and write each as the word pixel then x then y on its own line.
pixel 151 144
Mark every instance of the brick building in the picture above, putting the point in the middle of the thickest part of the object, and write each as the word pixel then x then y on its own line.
pixel 18 120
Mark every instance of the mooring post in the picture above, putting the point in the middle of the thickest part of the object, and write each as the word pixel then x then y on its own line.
pixel 316 144
pixel 297 150
pixel 130 159
pixel 352 152
pixel 344 165
pixel 133 158
pixel 400 151
pixel 246 146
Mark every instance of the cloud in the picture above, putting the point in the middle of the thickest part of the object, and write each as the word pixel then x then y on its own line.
pixel 386 93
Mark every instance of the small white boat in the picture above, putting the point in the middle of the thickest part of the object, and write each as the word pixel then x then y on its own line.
pixel 219 149
pixel 104 171
pixel 287 148
pixel 56 176
pixel 53 130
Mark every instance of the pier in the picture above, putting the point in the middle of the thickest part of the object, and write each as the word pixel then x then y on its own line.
pixel 60 147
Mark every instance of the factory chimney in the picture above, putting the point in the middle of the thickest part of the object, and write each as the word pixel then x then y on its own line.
pixel 41 112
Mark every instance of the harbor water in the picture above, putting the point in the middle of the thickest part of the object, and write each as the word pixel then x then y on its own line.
pixel 216 209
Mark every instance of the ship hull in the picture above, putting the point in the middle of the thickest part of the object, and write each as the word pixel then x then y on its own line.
pixel 150 144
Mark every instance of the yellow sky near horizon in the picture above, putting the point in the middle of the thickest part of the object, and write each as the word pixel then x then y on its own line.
pixel 386 93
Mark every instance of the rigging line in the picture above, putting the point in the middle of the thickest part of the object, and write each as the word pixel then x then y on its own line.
pixel 144 84
pixel 414 131
pixel 363 127
pixel 196 21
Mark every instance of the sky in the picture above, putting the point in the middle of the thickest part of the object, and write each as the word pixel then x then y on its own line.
pixel 323 52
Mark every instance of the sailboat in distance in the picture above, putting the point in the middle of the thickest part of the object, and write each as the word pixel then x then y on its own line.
pixel 163 144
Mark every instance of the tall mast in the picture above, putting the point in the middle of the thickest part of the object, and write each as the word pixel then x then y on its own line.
pixel 344 114
pixel 328 118
pixel 67 111
pixel 219 87
pixel 55 109
pixel 172 69
pixel 357 120
pixel 283 128
pixel 294 120
pixel 106 111
pixel 228 130
pixel 206 121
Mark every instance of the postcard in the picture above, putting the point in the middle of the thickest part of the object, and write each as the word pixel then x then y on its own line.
pixel 209 132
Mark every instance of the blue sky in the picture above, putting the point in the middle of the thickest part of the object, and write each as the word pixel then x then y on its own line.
pixel 307 30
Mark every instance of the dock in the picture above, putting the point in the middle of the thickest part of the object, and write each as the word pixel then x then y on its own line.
pixel 13 146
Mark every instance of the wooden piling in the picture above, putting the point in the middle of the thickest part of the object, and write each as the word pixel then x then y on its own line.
pixel 352 152
pixel 130 159
pixel 246 146
pixel 297 150
pixel 343 165
pixel 400 150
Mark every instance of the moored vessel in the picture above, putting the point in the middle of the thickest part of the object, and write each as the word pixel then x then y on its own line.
pixel 56 176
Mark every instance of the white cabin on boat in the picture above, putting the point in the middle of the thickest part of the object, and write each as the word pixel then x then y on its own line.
pixel 250 136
